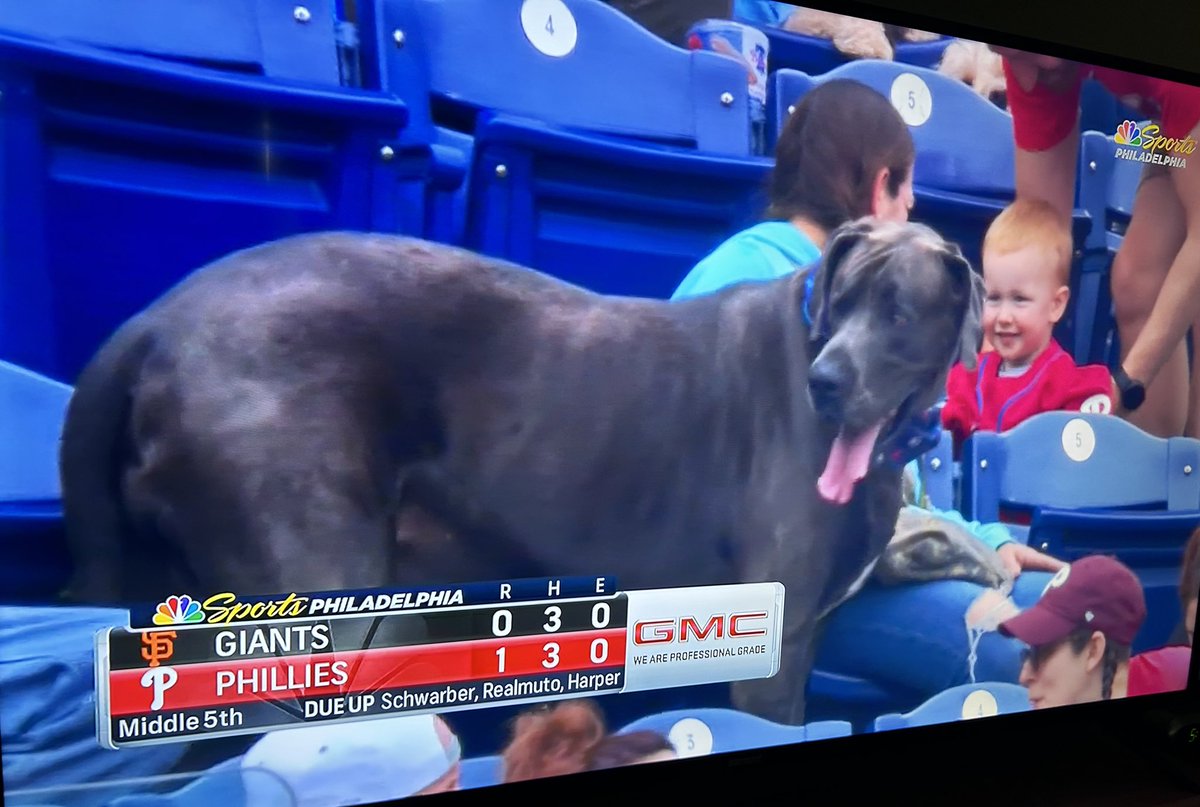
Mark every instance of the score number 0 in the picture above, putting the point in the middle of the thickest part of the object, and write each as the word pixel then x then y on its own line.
pixel 598 653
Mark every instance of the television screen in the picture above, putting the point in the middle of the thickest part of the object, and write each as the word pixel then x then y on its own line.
pixel 408 396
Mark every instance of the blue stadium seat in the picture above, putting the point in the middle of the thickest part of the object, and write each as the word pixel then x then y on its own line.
pixel 663 93
pixel 835 696
pixel 937 473
pixel 1107 189
pixel 480 771
pixel 922 54
pixel 1099 109
pixel 1093 484
pixel 539 160
pixel 721 730
pixel 35 561
pixel 122 173
pixel 612 216
pixel 964 702
pixel 260 37
pixel 815 55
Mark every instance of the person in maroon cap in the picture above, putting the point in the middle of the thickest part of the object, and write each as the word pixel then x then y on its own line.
pixel 1079 633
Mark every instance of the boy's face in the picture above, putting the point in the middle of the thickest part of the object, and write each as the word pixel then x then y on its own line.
pixel 1023 302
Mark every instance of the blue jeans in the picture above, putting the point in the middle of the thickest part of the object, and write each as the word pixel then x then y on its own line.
pixel 48 707
pixel 914 636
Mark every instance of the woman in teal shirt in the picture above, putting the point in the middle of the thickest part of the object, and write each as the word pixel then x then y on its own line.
pixel 845 153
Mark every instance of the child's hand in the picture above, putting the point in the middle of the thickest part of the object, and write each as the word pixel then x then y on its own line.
pixel 1018 558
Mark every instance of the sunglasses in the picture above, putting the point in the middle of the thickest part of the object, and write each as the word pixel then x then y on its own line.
pixel 1036 656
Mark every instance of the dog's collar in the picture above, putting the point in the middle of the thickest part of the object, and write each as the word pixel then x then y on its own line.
pixel 808 290
pixel 910 438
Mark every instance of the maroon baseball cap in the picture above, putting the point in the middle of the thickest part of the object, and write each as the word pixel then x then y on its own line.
pixel 1097 592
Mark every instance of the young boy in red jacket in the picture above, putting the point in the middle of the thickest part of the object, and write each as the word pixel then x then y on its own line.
pixel 1026 265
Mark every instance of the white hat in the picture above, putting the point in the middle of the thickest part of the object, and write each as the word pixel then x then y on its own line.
pixel 347 763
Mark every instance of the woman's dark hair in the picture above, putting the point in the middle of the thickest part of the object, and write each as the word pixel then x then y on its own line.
pixel 1114 655
pixel 841 134
pixel 570 737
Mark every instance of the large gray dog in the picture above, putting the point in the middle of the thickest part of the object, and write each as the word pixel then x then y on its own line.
pixel 353 410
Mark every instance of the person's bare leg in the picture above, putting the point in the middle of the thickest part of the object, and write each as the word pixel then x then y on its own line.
pixel 1155 234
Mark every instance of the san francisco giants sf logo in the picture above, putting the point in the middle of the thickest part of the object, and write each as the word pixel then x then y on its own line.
pixel 159 646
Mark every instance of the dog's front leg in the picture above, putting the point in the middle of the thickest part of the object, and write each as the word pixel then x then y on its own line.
pixel 781 698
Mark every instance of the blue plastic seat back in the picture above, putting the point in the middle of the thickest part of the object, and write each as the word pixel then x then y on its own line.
pixel 480 771
pixel 964 702
pixel 32 409
pixel 937 473
pixel 591 71
pixel 1078 461
pixel 590 68
pixel 264 37
pixel 711 730
pixel 1100 110
pixel 964 143
pixel 124 173
pixel 609 215
pixel 815 55
pixel 36 563
pixel 1107 186
pixel 1094 484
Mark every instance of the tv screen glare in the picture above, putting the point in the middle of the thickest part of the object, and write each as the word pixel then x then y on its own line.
pixel 400 397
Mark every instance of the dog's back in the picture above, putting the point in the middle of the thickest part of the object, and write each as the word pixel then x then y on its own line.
pixel 305 387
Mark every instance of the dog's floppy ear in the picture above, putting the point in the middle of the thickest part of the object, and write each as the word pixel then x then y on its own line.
pixel 840 242
pixel 970 338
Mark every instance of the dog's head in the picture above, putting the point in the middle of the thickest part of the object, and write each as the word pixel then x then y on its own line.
pixel 894 306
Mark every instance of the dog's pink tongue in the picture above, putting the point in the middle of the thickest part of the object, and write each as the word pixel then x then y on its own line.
pixel 848 463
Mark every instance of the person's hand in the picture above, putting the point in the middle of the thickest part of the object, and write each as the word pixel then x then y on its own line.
pixel 1018 558
pixel 990 609
pixel 1116 397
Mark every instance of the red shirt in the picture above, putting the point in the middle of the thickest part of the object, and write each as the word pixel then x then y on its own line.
pixel 1164 670
pixel 1042 118
pixel 982 400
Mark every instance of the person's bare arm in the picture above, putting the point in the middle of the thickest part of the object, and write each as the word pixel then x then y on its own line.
pixel 1178 303
pixel 1050 174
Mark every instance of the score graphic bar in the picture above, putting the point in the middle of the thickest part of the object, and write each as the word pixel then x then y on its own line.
pixel 214 680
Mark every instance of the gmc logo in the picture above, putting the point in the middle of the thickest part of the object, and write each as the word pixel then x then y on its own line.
pixel 719 626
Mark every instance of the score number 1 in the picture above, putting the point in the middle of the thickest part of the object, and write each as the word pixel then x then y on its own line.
pixel 598 653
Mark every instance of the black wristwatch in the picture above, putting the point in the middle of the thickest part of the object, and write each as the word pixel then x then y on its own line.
pixel 1133 393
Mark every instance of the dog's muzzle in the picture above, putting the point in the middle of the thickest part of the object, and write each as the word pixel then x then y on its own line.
pixel 829 380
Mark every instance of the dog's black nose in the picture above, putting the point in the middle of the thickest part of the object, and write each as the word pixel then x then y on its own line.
pixel 828 380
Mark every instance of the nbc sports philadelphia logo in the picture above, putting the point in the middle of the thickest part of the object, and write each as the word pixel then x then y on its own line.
pixel 1144 144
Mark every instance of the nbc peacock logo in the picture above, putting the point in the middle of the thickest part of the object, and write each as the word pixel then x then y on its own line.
pixel 1128 134
pixel 178 610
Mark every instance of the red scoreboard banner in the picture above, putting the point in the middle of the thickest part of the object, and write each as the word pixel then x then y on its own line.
pixel 185 681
